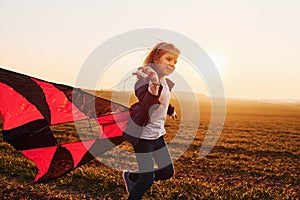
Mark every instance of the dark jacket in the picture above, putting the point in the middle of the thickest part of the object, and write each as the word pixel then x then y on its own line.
pixel 140 112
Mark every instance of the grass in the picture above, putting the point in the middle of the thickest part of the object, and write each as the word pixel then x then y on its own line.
pixel 257 157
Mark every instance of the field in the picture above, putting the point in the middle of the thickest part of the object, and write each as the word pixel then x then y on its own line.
pixel 256 157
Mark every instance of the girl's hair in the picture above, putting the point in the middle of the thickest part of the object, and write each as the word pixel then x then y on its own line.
pixel 158 50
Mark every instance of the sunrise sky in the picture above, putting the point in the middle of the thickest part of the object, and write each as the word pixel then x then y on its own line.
pixel 255 44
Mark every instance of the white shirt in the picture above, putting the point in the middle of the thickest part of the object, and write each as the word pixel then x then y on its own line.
pixel 156 125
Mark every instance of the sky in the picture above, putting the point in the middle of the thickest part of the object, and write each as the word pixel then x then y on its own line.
pixel 254 44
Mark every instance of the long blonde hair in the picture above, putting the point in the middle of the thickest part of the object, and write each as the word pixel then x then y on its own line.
pixel 158 50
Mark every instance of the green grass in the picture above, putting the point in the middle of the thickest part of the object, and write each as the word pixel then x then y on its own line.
pixel 256 157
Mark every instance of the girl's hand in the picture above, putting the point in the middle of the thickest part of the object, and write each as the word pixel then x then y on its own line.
pixel 152 74
pixel 174 115
pixel 148 72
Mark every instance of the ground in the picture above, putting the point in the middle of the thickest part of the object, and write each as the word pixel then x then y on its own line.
pixel 256 157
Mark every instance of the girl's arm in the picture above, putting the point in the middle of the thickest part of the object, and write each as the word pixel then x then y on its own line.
pixel 140 111
pixel 143 86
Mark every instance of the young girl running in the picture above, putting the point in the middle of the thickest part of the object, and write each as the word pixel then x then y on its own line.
pixel 145 130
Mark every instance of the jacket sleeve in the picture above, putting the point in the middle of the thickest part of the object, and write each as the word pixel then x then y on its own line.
pixel 141 88
pixel 141 111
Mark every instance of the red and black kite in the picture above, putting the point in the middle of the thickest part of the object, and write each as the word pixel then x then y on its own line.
pixel 29 106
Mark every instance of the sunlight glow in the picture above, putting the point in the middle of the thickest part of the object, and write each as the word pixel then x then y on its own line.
pixel 218 61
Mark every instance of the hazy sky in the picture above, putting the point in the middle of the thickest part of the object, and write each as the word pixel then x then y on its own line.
pixel 254 43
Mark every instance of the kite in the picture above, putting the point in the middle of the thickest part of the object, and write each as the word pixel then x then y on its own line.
pixel 29 106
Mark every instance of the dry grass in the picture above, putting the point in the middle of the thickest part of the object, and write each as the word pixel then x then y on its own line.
pixel 257 157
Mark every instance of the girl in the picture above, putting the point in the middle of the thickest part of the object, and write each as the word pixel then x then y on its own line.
pixel 145 130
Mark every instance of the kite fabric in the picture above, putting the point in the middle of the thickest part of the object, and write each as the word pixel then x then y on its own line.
pixel 29 106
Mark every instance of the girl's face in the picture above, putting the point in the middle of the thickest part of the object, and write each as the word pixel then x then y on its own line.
pixel 166 64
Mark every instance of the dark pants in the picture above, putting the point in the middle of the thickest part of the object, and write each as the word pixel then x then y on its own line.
pixel 148 151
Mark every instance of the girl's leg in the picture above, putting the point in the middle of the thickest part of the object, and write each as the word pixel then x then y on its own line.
pixel 145 162
pixel 163 159
pixel 147 150
pixel 141 186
